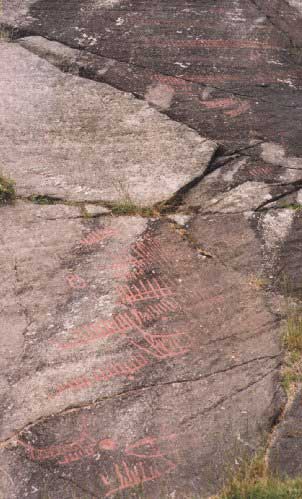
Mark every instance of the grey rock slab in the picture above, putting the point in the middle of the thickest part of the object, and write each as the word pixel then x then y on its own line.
pixel 188 62
pixel 242 183
pixel 180 218
pixel 15 12
pixel 231 239
pixel 262 246
pixel 245 197
pixel 142 442
pixel 297 4
pixel 276 154
pixel 56 277
pixel 288 225
pixel 173 358
pixel 95 210
pixel 68 137
pixel 285 453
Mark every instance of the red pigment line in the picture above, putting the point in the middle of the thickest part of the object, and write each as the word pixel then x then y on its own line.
pixel 95 336
pixel 219 103
pixel 224 78
pixel 136 481
pixel 76 281
pixel 128 368
pixel 242 108
pixel 211 43
pixel 138 293
pixel 98 235
pixel 121 323
pixel 261 169
pixel 146 250
pixel 152 289
pixel 84 446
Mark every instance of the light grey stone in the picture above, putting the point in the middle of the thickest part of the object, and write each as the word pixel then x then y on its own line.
pixel 76 139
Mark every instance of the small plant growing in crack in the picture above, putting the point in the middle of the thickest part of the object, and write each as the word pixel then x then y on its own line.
pixel 292 339
pixel 126 206
pixel 292 206
pixel 7 190
pixel 254 481
pixel 6 35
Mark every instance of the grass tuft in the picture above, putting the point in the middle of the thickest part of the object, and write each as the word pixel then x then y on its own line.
pixel 7 190
pixel 292 339
pixel 253 481
pixel 270 488
pixel 127 207
pixel 292 206
pixel 5 34
pixel 293 334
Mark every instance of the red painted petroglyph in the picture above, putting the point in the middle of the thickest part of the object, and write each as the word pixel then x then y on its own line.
pixel 98 236
pixel 144 255
pixel 171 80
pixel 261 170
pixel 126 475
pixel 158 346
pixel 240 107
pixel 153 453
pixel 145 290
pixel 121 267
pixel 128 368
pixel 121 323
pixel 219 103
pixel 220 44
pixel 149 250
pixel 81 448
pixel 147 446
pixel 224 78
pixel 76 281
pixel 163 346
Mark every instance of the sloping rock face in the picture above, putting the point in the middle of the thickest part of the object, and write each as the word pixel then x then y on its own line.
pixel 59 122
pixel 230 70
pixel 156 343
pixel 141 354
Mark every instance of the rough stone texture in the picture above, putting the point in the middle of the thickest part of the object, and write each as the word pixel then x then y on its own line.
pixel 187 346
pixel 96 210
pixel 286 450
pixel 143 355
pixel 229 70
pixel 80 140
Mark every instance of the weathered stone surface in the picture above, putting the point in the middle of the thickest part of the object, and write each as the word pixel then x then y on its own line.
pixel 80 140
pixel 96 210
pixel 140 354
pixel 285 457
pixel 131 314
pixel 266 176
pixel 289 264
pixel 229 70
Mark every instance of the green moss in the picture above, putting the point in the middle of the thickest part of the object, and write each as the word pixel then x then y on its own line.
pixel 40 199
pixel 7 191
pixel 292 206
